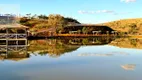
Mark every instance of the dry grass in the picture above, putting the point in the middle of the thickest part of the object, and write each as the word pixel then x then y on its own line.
pixel 123 25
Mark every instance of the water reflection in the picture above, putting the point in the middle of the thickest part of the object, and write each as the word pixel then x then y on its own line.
pixel 127 43
pixel 74 58
pixel 59 46
pixel 90 41
pixel 13 52
pixel 52 47
pixel 129 66
pixel 89 54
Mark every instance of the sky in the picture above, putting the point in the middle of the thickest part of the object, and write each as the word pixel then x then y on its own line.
pixel 85 11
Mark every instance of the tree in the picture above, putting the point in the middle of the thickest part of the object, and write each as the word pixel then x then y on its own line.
pixel 85 41
pixel 42 17
pixel 34 17
pixel 79 31
pixel 84 30
pixel 56 21
pixel 28 15
pixel 24 20
pixel 133 28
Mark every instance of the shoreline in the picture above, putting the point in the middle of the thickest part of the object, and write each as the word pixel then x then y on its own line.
pixel 84 36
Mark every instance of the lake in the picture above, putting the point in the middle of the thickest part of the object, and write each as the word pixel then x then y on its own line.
pixel 97 58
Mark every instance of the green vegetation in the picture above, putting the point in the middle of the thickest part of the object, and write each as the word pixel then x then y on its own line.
pixel 85 30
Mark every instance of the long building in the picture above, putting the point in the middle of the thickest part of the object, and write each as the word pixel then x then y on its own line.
pixel 88 29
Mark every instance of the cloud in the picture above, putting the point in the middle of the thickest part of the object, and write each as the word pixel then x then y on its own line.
pixel 103 12
pixel 128 1
pixel 82 12
pixel 95 12
pixel 122 13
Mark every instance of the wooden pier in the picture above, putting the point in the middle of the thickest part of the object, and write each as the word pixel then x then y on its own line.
pixel 13 38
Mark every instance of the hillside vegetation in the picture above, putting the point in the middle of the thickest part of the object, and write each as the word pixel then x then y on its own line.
pixel 131 26
pixel 54 22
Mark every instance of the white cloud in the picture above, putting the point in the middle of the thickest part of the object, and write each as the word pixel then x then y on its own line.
pixel 128 1
pixel 95 12
pixel 107 11
pixel 103 12
pixel 122 13
pixel 82 12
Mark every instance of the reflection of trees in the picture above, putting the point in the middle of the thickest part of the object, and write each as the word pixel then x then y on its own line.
pixel 127 43
pixel 52 47
pixel 85 41
pixel 58 47
pixel 134 42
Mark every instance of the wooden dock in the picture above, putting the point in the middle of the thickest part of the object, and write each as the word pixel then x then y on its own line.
pixel 13 38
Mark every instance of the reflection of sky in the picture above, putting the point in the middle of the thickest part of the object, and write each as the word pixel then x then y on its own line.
pixel 70 66
pixel 107 49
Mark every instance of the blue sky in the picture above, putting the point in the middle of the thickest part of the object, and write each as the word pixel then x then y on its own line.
pixel 85 11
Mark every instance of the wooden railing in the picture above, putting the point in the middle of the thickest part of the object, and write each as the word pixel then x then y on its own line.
pixel 13 36
pixel 3 48
pixel 3 36
pixel 13 48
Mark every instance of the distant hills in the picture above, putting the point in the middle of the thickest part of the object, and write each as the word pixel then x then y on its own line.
pixel 131 26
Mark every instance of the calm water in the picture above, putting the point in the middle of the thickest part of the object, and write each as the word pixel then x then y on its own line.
pixel 75 59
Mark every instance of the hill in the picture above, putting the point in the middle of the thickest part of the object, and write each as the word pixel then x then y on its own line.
pixel 55 21
pixel 131 26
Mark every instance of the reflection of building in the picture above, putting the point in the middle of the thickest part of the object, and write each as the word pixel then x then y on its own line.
pixel 128 66
pixel 14 55
pixel 88 29
pixel 13 41
pixel 90 41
